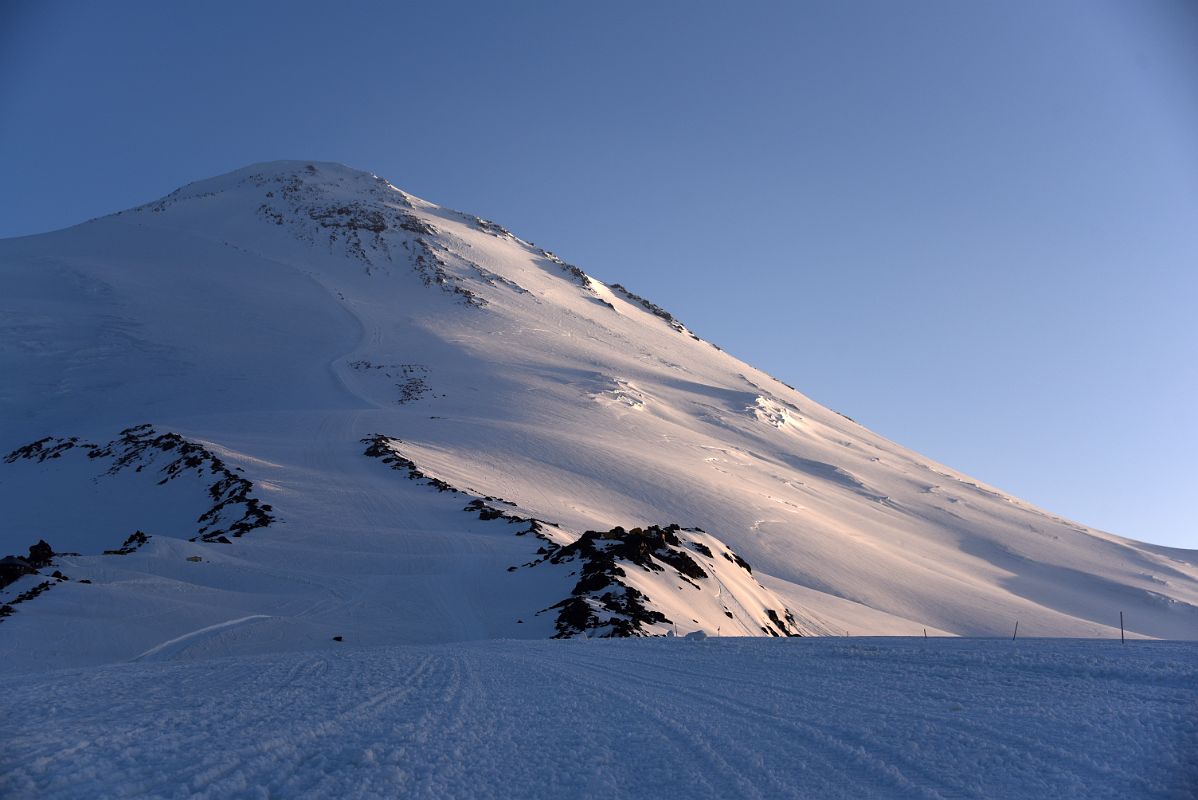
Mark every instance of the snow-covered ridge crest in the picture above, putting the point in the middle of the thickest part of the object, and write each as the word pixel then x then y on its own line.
pixel 637 582
pixel 332 179
pixel 348 213
pixel 232 511
pixel 150 480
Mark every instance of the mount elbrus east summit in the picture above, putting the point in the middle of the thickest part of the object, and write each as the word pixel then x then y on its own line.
pixel 294 403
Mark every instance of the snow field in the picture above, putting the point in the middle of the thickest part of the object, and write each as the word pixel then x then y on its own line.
pixel 810 718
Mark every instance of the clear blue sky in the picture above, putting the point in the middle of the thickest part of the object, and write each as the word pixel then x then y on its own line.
pixel 972 226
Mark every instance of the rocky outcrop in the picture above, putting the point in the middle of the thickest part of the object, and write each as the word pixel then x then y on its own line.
pixel 603 601
pixel 13 568
pixel 653 309
pixel 410 380
pixel 579 277
pixel 431 266
pixel 233 509
pixel 133 543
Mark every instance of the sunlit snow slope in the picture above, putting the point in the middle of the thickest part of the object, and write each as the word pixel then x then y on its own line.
pixel 282 318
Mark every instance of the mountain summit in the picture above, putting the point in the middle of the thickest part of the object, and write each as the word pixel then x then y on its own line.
pixel 293 405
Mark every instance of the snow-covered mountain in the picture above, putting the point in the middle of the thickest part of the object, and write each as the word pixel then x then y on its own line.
pixel 294 403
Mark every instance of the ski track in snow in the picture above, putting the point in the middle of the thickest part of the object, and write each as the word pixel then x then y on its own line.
pixel 814 718
pixel 167 647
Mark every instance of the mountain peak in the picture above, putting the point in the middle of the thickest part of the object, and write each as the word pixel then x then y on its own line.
pixel 330 173
pixel 328 179
pixel 341 217
pixel 545 454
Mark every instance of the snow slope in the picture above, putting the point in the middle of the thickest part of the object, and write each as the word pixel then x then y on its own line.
pixel 800 718
pixel 282 317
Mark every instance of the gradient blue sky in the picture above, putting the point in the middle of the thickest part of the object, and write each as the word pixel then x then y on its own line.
pixel 972 226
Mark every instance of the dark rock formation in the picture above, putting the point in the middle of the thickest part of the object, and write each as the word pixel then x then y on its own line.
pixel 134 542
pixel 602 603
pixel 653 309
pixel 13 568
pixel 234 510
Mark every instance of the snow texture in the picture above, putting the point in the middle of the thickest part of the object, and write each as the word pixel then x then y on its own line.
pixel 666 718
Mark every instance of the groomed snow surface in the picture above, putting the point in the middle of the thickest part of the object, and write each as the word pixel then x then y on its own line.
pixel 726 718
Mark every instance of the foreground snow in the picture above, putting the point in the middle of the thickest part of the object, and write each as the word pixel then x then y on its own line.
pixel 817 718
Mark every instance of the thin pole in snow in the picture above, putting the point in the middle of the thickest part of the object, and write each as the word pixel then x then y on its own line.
pixel 1016 633
pixel 925 633
pixel 1122 638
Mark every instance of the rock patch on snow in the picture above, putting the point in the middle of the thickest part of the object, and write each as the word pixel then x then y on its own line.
pixel 604 601
pixel 232 509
